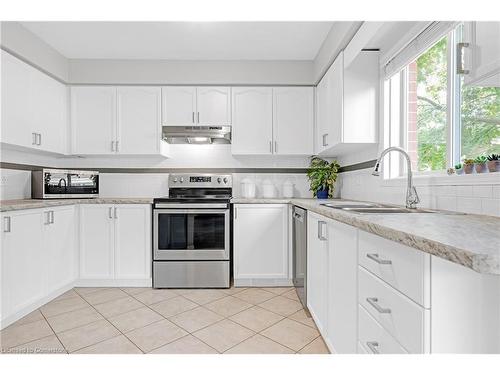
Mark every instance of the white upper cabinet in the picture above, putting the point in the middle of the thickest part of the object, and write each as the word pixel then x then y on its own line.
pixel 139 120
pixel 34 107
pixel 252 114
pixel 482 56
pixel 93 120
pixel 179 105
pixel 347 99
pixel 116 120
pixel 196 106
pixel 272 121
pixel 293 121
pixel 213 106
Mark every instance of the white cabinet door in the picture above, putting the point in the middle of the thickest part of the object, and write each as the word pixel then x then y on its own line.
pixel 293 123
pixel 50 118
pixel 335 103
pixel 342 287
pixel 132 241
pixel 60 244
pixel 16 114
pixel 93 120
pixel 252 116
pixel 321 114
pixel 96 241
pixel 23 257
pixel 261 243
pixel 317 270
pixel 483 53
pixel 179 105
pixel 213 106
pixel 139 120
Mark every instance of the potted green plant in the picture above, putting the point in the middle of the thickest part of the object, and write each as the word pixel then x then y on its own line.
pixel 480 164
pixel 493 162
pixel 459 168
pixel 322 176
pixel 468 166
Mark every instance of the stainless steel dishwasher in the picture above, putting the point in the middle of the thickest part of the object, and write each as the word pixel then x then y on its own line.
pixel 300 253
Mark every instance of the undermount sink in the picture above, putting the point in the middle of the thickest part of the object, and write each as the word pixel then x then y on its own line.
pixel 373 208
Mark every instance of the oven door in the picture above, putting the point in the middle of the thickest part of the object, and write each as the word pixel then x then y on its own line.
pixel 191 234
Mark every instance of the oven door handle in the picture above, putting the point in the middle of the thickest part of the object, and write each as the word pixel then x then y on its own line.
pixel 190 211
pixel 191 205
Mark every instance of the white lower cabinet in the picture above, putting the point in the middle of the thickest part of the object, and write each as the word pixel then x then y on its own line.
pixel 317 270
pixel 331 281
pixel 261 245
pixel 115 245
pixel 38 259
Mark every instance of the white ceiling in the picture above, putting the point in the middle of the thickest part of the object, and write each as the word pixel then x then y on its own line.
pixel 184 40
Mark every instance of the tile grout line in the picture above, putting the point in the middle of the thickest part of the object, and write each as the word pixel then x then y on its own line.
pixel 57 337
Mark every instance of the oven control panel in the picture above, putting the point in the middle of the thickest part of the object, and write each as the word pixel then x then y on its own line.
pixel 200 180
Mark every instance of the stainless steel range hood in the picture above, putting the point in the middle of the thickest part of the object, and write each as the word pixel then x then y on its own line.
pixel 197 134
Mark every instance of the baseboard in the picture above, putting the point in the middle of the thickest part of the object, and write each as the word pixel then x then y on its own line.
pixel 263 283
pixel 322 331
pixel 122 283
pixel 7 321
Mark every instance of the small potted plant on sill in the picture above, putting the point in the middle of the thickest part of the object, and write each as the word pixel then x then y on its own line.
pixel 459 169
pixel 480 164
pixel 493 162
pixel 322 176
pixel 468 166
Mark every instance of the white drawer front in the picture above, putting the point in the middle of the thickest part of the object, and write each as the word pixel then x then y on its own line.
pixel 373 338
pixel 400 316
pixel 406 269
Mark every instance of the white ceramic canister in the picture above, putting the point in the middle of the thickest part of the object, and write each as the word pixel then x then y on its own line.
pixel 268 189
pixel 288 189
pixel 247 188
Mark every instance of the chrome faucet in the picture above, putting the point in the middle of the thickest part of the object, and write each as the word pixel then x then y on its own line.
pixel 411 193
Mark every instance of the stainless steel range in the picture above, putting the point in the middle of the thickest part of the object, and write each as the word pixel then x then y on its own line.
pixel 192 232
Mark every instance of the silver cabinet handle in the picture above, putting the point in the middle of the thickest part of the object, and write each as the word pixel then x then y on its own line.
pixel 235 212
pixel 460 58
pixel 324 139
pixel 320 231
pixel 39 143
pixel 276 146
pixel 373 302
pixel 112 146
pixel 33 139
pixel 377 259
pixel 271 147
pixel 6 224
pixel 192 118
pixel 110 213
pixel 47 218
pixel 198 115
pixel 116 213
pixel 51 217
pixel 373 346
pixel 117 146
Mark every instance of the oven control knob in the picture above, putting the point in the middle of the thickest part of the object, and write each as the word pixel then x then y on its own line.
pixel 175 180
pixel 182 179
pixel 219 180
pixel 225 180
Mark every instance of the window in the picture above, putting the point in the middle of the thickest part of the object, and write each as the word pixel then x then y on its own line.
pixel 434 116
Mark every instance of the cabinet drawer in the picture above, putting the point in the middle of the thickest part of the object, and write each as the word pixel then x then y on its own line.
pixel 404 268
pixel 373 338
pixel 402 318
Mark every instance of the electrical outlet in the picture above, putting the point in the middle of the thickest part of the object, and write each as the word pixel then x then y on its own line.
pixel 3 180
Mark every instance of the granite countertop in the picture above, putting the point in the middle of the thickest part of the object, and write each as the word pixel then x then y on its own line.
pixel 26 204
pixel 469 240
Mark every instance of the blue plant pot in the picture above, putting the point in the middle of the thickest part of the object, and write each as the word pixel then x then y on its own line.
pixel 322 194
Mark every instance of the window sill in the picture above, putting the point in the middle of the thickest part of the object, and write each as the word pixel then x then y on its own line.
pixel 441 179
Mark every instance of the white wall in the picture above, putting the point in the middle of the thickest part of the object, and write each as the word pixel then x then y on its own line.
pixel 161 72
pixel 15 184
pixel 15 38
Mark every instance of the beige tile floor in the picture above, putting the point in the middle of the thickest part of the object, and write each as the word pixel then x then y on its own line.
pixel 167 321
